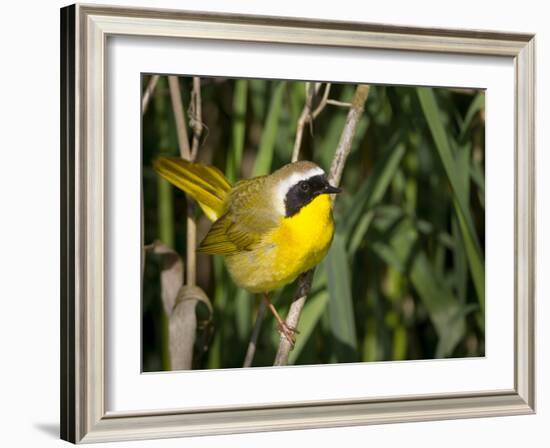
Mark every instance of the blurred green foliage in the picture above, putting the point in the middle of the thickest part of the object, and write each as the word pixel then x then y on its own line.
pixel 404 278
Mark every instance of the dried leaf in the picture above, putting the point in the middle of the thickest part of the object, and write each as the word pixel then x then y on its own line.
pixel 196 294
pixel 183 326
pixel 171 277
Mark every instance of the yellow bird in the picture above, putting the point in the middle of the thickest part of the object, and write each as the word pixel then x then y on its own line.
pixel 270 229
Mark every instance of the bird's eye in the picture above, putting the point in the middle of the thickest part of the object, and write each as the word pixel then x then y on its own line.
pixel 304 186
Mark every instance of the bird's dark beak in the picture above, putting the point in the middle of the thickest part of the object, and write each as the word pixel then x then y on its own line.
pixel 329 189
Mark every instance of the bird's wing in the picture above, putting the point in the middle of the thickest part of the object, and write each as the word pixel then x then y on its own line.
pixel 249 216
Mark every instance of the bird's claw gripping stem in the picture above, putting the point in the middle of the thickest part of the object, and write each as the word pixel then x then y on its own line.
pixel 288 332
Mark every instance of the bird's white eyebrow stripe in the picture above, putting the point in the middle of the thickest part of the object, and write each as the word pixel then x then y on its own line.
pixel 290 181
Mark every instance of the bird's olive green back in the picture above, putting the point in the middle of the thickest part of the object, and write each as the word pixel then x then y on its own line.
pixel 250 213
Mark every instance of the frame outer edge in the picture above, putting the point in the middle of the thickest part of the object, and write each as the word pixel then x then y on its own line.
pixel 68 405
pixel 83 375
pixel 525 223
pixel 285 22
pixel 414 409
pixel 92 227
pixel 289 30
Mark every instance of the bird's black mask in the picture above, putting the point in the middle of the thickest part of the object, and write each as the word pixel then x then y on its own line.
pixel 305 191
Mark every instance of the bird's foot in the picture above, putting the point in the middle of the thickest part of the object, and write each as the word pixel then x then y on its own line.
pixel 288 332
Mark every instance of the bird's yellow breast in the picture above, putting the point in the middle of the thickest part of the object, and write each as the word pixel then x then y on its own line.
pixel 296 245
pixel 303 240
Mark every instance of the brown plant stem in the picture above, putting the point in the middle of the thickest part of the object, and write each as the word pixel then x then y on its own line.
pixel 338 103
pixel 181 127
pixel 253 344
pixel 191 255
pixel 148 93
pixel 308 115
pixel 337 167
pixel 188 154
pixel 183 321
pixel 305 117
pixel 195 113
pixel 323 103
pixel 346 138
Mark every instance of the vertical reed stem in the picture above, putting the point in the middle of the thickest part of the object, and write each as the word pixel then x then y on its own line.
pixel 336 170
pixel 183 321
pixel 252 345
pixel 165 212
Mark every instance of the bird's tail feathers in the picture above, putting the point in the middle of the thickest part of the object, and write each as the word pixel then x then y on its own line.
pixel 206 184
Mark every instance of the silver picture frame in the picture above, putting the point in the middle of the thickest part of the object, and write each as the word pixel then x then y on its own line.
pixel 84 33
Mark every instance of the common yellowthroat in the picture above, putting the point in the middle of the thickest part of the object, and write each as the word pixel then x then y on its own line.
pixel 270 229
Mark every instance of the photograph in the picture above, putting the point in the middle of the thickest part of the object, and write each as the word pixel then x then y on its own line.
pixel 304 222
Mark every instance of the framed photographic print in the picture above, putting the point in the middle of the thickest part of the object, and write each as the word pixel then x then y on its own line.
pixel 274 224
